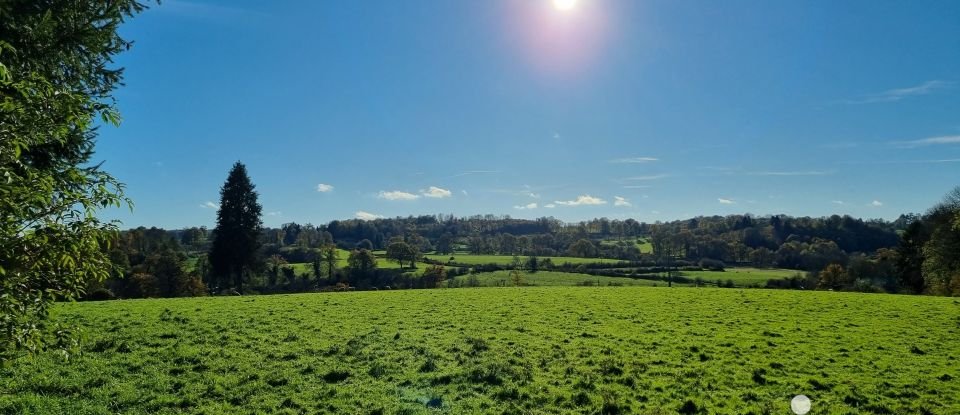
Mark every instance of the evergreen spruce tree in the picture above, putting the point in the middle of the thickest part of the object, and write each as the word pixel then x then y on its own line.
pixel 233 254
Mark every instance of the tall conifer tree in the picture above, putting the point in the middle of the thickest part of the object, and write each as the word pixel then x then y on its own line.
pixel 233 254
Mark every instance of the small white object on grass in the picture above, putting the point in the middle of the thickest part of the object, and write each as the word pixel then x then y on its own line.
pixel 800 404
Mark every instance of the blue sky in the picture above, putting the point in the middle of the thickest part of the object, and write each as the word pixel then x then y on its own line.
pixel 652 110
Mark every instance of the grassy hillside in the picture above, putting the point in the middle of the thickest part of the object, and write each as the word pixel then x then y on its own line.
pixel 548 278
pixel 502 350
pixel 743 277
pixel 470 259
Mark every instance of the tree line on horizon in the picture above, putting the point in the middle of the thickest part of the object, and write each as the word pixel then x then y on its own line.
pixel 911 254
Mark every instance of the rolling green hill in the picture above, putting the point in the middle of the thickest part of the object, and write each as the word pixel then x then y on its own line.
pixel 501 350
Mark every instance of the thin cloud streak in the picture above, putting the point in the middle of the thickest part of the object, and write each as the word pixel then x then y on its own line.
pixel 650 177
pixel 634 160
pixel 898 94
pixel 931 161
pixel 472 172
pixel 789 173
pixel 932 141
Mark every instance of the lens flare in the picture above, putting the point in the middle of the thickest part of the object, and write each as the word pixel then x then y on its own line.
pixel 564 5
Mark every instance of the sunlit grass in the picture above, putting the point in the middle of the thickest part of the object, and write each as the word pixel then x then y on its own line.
pixel 502 350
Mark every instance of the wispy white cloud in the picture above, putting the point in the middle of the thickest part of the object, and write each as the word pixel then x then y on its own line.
pixel 366 215
pixel 549 205
pixel 929 161
pixel 620 201
pixel 876 203
pixel 898 94
pixel 635 160
pixel 209 205
pixel 473 172
pixel 436 192
pixel 465 193
pixel 789 173
pixel 739 171
pixel 582 200
pixel 397 195
pixel 533 195
pixel 837 202
pixel 645 178
pixel 324 188
pixel 275 213
pixel 526 207
pixel 724 201
pixel 947 139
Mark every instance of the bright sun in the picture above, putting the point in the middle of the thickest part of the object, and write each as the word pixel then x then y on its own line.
pixel 564 5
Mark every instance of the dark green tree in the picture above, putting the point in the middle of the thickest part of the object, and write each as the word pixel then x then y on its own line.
pixel 56 82
pixel 941 252
pixel 330 256
pixel 167 267
pixel 445 244
pixel 583 248
pixel 274 263
pixel 233 254
pixel 365 244
pixel 362 264
pixel 401 252
pixel 533 264
pixel 910 257
pixel 317 266
pixel 434 276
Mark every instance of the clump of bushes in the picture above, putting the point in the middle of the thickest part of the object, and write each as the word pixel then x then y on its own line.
pixel 712 264
pixel 100 294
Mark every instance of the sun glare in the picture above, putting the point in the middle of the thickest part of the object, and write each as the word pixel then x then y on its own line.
pixel 564 5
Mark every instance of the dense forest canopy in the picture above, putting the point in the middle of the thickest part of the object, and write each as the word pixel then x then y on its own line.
pixel 870 253
pixel 716 237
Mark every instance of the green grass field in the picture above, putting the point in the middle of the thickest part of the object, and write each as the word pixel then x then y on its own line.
pixel 502 350
pixel 643 244
pixel 743 277
pixel 470 259
pixel 549 278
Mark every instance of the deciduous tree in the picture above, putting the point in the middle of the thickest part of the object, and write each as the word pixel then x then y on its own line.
pixel 56 82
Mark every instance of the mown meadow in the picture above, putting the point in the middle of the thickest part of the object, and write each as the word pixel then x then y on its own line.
pixel 527 350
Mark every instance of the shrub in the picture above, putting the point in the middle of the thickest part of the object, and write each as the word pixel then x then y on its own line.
pixel 100 294
pixel 865 286
pixel 712 264
pixel 473 280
